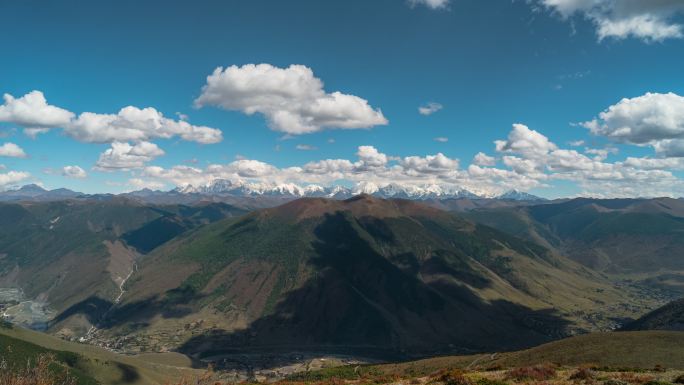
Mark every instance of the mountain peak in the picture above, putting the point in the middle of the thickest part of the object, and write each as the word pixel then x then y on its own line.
pixel 362 205
pixel 31 187
pixel 518 195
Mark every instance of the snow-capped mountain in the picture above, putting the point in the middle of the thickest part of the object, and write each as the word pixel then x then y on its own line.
pixel 392 190
pixel 516 195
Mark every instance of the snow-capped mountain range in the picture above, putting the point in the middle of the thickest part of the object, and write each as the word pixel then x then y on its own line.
pixel 227 188
pixel 392 190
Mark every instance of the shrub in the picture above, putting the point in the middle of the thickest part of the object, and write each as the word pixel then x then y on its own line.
pixel 536 373
pixel 452 377
pixel 634 378
pixel 583 374
pixel 488 381
pixel 46 371
pixel 613 381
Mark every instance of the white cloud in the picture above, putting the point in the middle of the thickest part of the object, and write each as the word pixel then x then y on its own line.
pixel 441 139
pixel 601 153
pixel 12 177
pixel 36 116
pixel 12 150
pixel 655 163
pixel 525 141
pixel 529 160
pixel 430 164
pixel 124 156
pixel 670 147
pixel 74 172
pixel 139 184
pixel 32 112
pixel 248 168
pixel 370 157
pixel 292 99
pixel 620 19
pixel 135 124
pixel 429 108
pixel 651 119
pixel 432 4
pixel 306 147
pixel 482 159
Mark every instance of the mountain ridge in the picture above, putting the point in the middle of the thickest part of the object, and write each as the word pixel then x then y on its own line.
pixel 227 188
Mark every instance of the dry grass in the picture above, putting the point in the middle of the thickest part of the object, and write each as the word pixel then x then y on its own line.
pixel 452 377
pixel 45 371
pixel 542 372
pixel 583 374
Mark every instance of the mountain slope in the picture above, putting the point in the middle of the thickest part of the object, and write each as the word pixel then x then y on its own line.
pixel 92 365
pixel 668 317
pixel 58 254
pixel 365 275
pixel 627 350
pixel 615 236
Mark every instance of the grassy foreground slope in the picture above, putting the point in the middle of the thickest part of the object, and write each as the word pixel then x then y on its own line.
pixel 92 365
pixel 633 350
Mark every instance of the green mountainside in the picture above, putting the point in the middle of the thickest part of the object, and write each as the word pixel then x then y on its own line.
pixel 61 253
pixel 620 236
pixel 366 276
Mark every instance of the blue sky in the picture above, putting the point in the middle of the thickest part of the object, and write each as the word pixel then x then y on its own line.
pixel 549 66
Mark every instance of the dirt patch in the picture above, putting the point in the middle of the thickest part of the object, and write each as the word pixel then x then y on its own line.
pixel 121 260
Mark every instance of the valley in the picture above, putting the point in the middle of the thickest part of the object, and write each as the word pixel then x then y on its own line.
pixel 317 282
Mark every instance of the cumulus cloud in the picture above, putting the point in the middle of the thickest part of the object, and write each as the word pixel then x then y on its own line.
pixel 32 112
pixel 525 141
pixel 12 177
pixel 670 148
pixel 370 158
pixel 292 99
pixel 124 156
pixel 482 159
pixel 601 153
pixel 135 124
pixel 74 172
pixel 441 139
pixel 432 4
pixel 654 163
pixel 620 19
pixel 11 150
pixel 36 116
pixel 529 160
pixel 416 165
pixel 139 184
pixel 429 108
pixel 651 119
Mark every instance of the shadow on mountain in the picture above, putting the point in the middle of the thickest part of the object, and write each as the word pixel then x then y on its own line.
pixel 129 374
pixel 93 308
pixel 103 313
pixel 361 303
